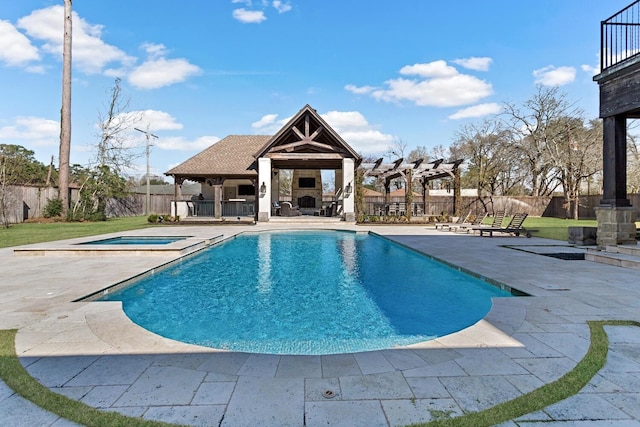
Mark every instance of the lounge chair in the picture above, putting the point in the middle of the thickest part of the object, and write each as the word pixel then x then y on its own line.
pixel 468 226
pixel 286 209
pixel 513 227
pixel 461 220
pixel 498 218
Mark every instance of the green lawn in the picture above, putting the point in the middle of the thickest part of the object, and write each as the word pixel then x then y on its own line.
pixel 28 233
pixel 555 228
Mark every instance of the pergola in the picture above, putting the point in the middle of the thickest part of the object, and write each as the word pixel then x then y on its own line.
pixel 416 170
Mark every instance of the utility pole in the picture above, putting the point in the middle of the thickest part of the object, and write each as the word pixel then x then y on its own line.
pixel 147 134
pixel 65 112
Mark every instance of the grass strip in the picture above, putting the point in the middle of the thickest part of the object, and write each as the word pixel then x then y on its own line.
pixel 566 386
pixel 17 378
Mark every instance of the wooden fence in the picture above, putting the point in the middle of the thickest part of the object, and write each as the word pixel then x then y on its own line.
pixel 25 202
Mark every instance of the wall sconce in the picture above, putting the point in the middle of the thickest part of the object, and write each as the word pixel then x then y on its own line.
pixel 348 190
pixel 263 189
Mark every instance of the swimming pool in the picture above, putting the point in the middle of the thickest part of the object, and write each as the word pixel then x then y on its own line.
pixel 136 240
pixel 307 292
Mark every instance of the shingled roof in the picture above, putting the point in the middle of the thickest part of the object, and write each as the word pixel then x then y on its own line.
pixel 232 156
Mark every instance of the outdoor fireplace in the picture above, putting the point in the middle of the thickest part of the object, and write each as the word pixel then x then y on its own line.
pixel 306 202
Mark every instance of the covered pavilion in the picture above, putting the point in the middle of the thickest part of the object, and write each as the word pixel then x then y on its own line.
pixel 240 173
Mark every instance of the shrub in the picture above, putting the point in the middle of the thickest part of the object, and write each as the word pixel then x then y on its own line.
pixel 152 218
pixel 53 208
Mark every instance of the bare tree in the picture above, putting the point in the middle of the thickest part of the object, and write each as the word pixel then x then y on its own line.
pixel 284 181
pixel 115 146
pixel 65 114
pixel 533 128
pixel 575 155
pixel 633 157
pixel 397 150
pixel 486 148
pixel 420 152
pixel 114 154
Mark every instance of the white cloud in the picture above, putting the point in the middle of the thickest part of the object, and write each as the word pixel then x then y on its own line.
pixel 476 111
pixel 354 128
pixel 266 120
pixel 154 50
pixel 90 53
pixel 344 120
pixel 552 76
pixel 269 124
pixel 590 69
pixel 156 120
pixel 249 16
pixel 362 90
pixel 35 131
pixel 438 85
pixel 475 63
pixel 432 69
pixel 183 144
pixel 451 91
pixel 160 72
pixel 15 47
pixel 368 142
pixel 281 7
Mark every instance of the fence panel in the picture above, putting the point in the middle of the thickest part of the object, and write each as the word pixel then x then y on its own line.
pixel 26 202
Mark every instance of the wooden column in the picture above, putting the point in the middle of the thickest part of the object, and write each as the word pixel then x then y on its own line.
pixel 614 157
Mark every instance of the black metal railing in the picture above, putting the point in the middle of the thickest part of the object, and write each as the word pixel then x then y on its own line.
pixel 620 36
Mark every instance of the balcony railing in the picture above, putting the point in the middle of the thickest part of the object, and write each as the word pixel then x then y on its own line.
pixel 620 36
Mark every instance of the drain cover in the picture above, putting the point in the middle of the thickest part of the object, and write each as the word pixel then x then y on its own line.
pixel 328 394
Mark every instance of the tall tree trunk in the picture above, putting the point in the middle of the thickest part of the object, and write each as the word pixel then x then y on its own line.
pixel 65 114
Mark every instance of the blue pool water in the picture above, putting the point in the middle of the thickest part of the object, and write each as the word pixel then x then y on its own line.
pixel 311 292
pixel 135 240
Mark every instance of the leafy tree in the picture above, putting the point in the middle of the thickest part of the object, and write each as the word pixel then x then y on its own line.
pixel 21 167
pixel 99 185
pixel 156 180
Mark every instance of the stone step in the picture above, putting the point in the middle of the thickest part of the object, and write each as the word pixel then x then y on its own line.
pixel 624 249
pixel 619 256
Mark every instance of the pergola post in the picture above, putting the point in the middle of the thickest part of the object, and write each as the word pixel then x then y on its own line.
pixel 264 189
pixel 217 198
pixel 348 189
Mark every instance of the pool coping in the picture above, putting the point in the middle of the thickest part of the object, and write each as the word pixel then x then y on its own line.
pixel 82 247
pixel 543 334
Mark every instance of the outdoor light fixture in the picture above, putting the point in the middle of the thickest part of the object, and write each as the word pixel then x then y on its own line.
pixel 347 190
pixel 263 189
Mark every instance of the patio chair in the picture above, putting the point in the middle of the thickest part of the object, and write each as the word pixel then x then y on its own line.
pixel 392 209
pixel 514 227
pixel 462 219
pixel 468 226
pixel 333 209
pixel 286 209
pixel 402 209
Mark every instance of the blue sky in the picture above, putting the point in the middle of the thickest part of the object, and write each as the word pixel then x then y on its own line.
pixel 378 72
